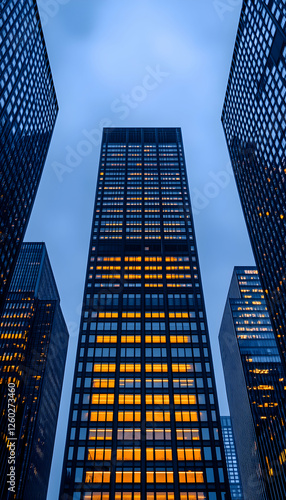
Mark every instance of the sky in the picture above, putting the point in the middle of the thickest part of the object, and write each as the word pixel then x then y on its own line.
pixel 102 54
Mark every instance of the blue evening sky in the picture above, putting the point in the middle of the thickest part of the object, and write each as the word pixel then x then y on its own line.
pixel 140 63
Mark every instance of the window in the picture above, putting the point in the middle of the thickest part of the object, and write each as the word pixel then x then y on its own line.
pixel 157 416
pixel 97 477
pixel 101 416
pixel 100 434
pixel 129 434
pixel 129 416
pixel 127 475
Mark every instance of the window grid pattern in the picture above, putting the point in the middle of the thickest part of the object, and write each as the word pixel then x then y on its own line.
pixel 231 459
pixel 254 123
pixel 144 408
pixel 260 372
pixel 28 110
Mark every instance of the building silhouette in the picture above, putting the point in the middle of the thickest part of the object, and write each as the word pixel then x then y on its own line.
pixel 255 384
pixel 144 420
pixel 28 110
pixel 254 123
pixel 231 459
pixel 33 349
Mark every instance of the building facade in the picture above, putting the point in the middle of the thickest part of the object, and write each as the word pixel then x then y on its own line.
pixel 28 110
pixel 33 349
pixel 231 459
pixel 144 420
pixel 255 383
pixel 254 121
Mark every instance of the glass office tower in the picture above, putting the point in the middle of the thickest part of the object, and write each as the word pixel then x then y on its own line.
pixel 144 420
pixel 254 121
pixel 28 110
pixel 33 349
pixel 231 459
pixel 255 384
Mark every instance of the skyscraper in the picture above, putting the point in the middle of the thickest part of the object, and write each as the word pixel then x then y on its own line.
pixel 28 110
pixel 255 384
pixel 144 420
pixel 254 123
pixel 33 349
pixel 231 459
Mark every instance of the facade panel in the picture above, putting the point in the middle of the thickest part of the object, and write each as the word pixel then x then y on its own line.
pixel 144 421
pixel 254 123
pixel 28 110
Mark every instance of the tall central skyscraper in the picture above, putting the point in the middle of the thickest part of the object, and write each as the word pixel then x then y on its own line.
pixel 144 420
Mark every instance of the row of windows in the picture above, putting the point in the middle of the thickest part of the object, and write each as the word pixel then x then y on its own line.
pixel 155 383
pixel 159 495
pixel 136 339
pixel 134 454
pixel 152 434
pixel 155 367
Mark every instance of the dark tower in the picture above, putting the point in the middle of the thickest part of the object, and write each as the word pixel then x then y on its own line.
pixel 254 121
pixel 33 349
pixel 144 420
pixel 28 110
pixel 255 385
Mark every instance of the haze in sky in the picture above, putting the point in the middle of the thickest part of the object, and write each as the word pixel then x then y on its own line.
pixel 143 63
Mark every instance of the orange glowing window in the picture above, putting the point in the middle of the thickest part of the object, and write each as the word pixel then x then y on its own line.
pixel 184 399
pixel 102 399
pixel 101 416
pixel 129 416
pixel 186 416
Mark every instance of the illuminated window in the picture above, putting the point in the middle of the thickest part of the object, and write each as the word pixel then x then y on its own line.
pixel 128 476
pixel 184 399
pixel 100 434
pixel 97 477
pixel 157 416
pixel 188 476
pixel 129 416
pixel 103 383
pixel 129 434
pixel 157 399
pixel 129 399
pixel 99 454
pixel 163 454
pixel 189 454
pixel 101 416
pixel 128 454
pixel 186 416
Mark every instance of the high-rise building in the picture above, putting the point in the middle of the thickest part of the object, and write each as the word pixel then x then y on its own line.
pixel 255 384
pixel 28 110
pixel 33 349
pixel 231 459
pixel 144 420
pixel 254 121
